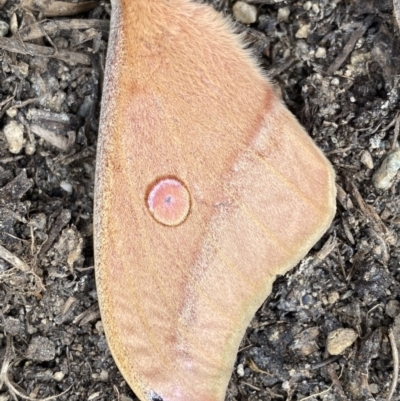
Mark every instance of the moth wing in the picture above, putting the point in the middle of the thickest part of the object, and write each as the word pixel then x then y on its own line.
pixel 183 99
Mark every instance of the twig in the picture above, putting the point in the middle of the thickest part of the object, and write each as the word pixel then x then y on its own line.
pixel 255 368
pixel 60 8
pixel 395 355
pixel 38 29
pixel 396 130
pixel 396 11
pixel 11 159
pixel 349 46
pixel 251 386
pixel 13 260
pixel 325 362
pixel 61 142
pixel 69 57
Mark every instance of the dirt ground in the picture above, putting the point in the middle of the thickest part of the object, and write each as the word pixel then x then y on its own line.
pixel 336 64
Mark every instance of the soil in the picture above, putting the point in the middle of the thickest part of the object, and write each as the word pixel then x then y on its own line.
pixel 336 64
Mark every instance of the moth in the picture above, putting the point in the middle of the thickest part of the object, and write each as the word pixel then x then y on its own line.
pixel 206 188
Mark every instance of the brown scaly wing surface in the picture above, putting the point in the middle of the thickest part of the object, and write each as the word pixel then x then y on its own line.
pixel 184 102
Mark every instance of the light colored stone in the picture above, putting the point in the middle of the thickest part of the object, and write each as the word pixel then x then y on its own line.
pixel 58 376
pixel 303 32
pixel 12 112
pixel 315 8
pixel 30 148
pixel 335 81
pixel 244 13
pixel 393 308
pixel 373 388
pixel 14 133
pixel 13 24
pixel 366 159
pixel 66 186
pixel 4 28
pixel 20 69
pixel 339 340
pixel 283 14
pixel 321 52
pixel 386 173
pixel 99 327
pixel 333 297
pixel 103 376
pixel 240 370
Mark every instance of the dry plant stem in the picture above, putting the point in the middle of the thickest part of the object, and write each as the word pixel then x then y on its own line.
pixel 396 11
pixel 62 220
pixel 325 362
pixel 337 386
pixel 396 130
pixel 19 105
pixel 60 8
pixel 349 46
pixel 251 386
pixel 368 211
pixel 72 58
pixel 255 368
pixel 395 355
pixel 11 159
pixel 37 30
pixel 13 260
pixel 59 141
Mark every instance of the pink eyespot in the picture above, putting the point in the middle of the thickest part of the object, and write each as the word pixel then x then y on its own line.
pixel 169 201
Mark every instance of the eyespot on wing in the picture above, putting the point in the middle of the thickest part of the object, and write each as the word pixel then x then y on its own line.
pixel 168 201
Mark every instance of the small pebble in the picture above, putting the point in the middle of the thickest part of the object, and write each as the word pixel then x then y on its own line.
pixel 333 297
pixel 4 28
pixel 13 326
pixel 30 148
pixel 13 24
pixel 41 349
pixel 66 186
pixel 340 339
pixel 103 376
pixel 335 81
pixel 373 388
pixel 366 159
pixel 315 8
pixel 58 376
pixel 244 13
pixel 240 370
pixel 393 308
pixel 283 14
pixel 12 112
pixel 386 173
pixel 321 52
pixel 303 32
pixel 21 69
pixel 14 133
pixel 99 327
pixel 307 5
